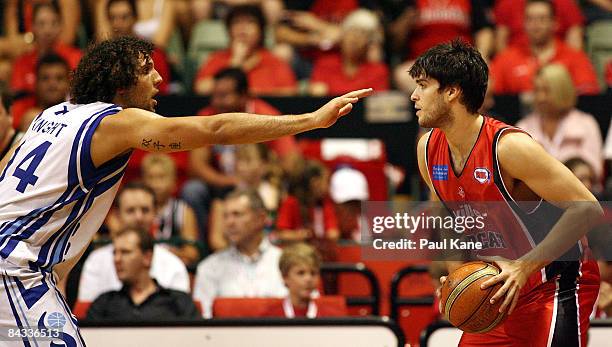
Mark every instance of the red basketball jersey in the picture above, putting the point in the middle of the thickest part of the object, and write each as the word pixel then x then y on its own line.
pixel 511 228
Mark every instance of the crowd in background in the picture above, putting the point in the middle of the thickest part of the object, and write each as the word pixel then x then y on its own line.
pixel 222 211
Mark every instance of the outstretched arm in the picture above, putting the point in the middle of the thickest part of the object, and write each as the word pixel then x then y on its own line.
pixel 136 128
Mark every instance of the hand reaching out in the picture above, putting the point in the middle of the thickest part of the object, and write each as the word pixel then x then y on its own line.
pixel 329 113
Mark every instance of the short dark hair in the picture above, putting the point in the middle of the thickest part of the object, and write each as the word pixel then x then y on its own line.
pixel 145 240
pixel 457 64
pixel 255 201
pixel 131 3
pixel 553 10
pixel 253 11
pixel 51 59
pixel 237 75
pixel 135 185
pixel 107 67
pixel 53 6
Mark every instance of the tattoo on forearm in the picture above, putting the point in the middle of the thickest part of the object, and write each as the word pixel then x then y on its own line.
pixel 158 145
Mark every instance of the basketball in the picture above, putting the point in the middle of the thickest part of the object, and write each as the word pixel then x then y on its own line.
pixel 465 305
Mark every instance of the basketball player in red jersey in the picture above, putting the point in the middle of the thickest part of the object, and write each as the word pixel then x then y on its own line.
pixel 470 158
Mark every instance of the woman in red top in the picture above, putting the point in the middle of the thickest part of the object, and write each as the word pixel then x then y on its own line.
pixel 267 74
pixel 354 66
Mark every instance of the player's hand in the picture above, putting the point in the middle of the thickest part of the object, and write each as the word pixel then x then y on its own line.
pixel 329 113
pixel 439 293
pixel 513 277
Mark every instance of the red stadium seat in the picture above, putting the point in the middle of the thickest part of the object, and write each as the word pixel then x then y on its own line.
pixel 242 307
pixel 353 285
pixel 411 299
pixel 257 307
pixel 80 309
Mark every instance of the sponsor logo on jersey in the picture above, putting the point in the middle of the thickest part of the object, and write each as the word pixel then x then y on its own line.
pixel 482 175
pixel 56 320
pixel 440 172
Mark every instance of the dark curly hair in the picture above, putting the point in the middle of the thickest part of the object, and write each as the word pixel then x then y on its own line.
pixel 455 63
pixel 107 67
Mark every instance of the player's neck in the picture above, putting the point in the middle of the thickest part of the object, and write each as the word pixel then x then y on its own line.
pixel 463 131
pixel 119 100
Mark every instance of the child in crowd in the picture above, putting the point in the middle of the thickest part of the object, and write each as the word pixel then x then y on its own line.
pixel 300 265
pixel 176 221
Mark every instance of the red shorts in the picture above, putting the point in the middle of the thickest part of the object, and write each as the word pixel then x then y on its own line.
pixel 554 313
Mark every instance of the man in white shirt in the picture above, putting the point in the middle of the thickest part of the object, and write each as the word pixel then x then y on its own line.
pixel 249 267
pixel 135 209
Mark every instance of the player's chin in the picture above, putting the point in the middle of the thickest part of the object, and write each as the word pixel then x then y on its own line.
pixel 423 122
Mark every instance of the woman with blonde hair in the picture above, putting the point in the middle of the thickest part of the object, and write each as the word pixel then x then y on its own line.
pixel 358 63
pixel 564 131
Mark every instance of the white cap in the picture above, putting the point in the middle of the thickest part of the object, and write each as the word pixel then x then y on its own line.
pixel 348 184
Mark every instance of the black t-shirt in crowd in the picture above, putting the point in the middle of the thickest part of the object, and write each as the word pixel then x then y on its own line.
pixel 163 305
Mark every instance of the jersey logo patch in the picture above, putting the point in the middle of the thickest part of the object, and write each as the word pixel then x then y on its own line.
pixel 440 172
pixel 482 175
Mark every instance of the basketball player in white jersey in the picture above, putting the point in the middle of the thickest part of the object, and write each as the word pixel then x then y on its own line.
pixel 58 183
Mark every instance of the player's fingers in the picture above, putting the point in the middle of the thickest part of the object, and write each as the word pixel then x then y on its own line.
pixel 442 279
pixel 490 259
pixel 514 302
pixel 341 102
pixel 500 292
pixel 348 100
pixel 361 93
pixel 493 281
pixel 508 299
pixel 345 109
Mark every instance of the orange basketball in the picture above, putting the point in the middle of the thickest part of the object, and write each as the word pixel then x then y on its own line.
pixel 465 305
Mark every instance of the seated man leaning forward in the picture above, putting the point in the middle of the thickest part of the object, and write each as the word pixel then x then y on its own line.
pixel 141 298
pixel 249 267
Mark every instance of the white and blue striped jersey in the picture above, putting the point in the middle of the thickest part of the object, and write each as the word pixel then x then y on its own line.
pixel 52 198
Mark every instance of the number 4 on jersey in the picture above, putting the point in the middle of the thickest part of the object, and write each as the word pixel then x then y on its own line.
pixel 27 176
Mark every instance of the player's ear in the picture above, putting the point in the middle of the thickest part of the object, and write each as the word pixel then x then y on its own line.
pixel 452 93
